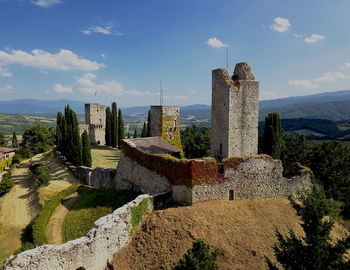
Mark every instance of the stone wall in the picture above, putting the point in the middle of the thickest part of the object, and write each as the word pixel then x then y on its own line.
pixel 235 110
pixel 199 180
pixel 107 237
pixel 95 118
pixel 255 177
pixel 165 123
pixel 99 177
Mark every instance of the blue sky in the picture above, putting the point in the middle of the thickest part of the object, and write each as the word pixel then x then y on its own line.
pixel 111 50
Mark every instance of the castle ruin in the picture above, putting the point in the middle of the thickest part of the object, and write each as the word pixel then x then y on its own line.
pixel 235 113
pixel 165 123
pixel 95 119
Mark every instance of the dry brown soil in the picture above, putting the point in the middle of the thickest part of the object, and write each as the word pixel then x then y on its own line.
pixel 243 231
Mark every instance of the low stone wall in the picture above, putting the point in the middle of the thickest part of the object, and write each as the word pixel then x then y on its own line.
pixel 253 178
pixel 99 177
pixel 107 237
pixel 193 181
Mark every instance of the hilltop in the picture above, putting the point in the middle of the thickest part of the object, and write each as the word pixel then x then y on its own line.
pixel 243 231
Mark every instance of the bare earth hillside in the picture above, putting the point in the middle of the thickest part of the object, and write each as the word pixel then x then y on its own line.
pixel 243 231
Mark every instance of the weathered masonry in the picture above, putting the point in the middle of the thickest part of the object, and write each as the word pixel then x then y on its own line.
pixel 235 112
pixel 95 119
pixel 165 123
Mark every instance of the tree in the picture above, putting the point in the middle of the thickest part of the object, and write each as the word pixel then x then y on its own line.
pixel 200 257
pixel 273 136
pixel 86 149
pixel 36 139
pixel 135 133
pixel 128 134
pixel 196 142
pixel 73 140
pixel 108 132
pixel 330 162
pixel 121 131
pixel 314 250
pixel 148 133
pixel 61 132
pixel 114 125
pixel 14 142
pixel 144 130
pixel 2 139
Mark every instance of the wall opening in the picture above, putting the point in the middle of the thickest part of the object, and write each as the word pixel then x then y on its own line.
pixel 220 149
pixel 98 142
pixel 231 195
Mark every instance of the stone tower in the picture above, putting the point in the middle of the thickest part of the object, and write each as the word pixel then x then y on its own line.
pixel 165 123
pixel 95 118
pixel 235 111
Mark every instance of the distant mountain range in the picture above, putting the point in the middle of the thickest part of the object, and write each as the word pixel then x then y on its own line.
pixel 333 106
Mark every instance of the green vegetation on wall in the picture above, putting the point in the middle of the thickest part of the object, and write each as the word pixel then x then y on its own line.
pixel 138 213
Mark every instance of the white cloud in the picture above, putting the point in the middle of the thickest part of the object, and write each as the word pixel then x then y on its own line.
pixel 63 60
pixel 280 24
pixel 7 89
pixel 267 95
pixel 314 38
pixel 4 72
pixel 105 30
pixel 46 3
pixel 302 83
pixel 59 88
pixel 216 43
pixel 332 76
pixel 103 55
pixel 297 35
pixel 138 93
pixel 346 65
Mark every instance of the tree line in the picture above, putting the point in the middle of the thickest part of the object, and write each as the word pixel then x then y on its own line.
pixel 76 148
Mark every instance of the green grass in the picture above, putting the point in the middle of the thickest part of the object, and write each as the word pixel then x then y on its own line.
pixel 105 157
pixel 90 206
pixel 138 212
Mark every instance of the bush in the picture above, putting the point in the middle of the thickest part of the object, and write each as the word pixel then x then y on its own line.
pixel 16 159
pixel 41 220
pixel 6 184
pixel 200 257
pixel 41 174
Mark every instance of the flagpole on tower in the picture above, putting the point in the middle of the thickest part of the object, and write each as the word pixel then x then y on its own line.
pixel 161 93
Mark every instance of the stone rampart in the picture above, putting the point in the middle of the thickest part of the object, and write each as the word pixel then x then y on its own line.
pixel 92 252
pixel 199 180
pixel 99 177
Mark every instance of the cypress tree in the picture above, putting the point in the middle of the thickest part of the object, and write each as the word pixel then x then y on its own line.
pixel 135 133
pixel 114 126
pixel 59 135
pixel 128 135
pixel 121 132
pixel 108 132
pixel 273 136
pixel 14 143
pixel 148 134
pixel 86 149
pixel 144 130
pixel 73 143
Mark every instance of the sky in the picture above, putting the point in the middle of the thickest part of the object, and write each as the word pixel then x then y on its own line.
pixel 112 50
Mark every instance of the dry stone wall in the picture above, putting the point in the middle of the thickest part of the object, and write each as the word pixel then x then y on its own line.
pixel 99 177
pixel 107 237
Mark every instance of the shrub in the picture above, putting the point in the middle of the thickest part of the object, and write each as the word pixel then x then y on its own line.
pixel 137 213
pixel 41 174
pixel 41 220
pixel 6 184
pixel 200 257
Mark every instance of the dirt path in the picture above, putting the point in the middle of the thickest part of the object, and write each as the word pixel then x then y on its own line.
pixel 17 208
pixel 55 226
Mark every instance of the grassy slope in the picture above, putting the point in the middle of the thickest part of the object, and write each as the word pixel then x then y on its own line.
pixel 105 157
pixel 90 206
pixel 243 231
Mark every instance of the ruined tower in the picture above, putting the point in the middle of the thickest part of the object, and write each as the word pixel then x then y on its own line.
pixel 95 118
pixel 235 111
pixel 165 123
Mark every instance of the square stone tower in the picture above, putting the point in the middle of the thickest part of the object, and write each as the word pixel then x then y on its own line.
pixel 95 118
pixel 165 123
pixel 234 111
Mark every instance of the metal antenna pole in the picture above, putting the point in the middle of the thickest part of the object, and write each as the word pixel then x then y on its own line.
pixel 161 93
pixel 227 57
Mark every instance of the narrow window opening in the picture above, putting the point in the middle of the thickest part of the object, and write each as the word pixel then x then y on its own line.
pixel 220 148
pixel 231 195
